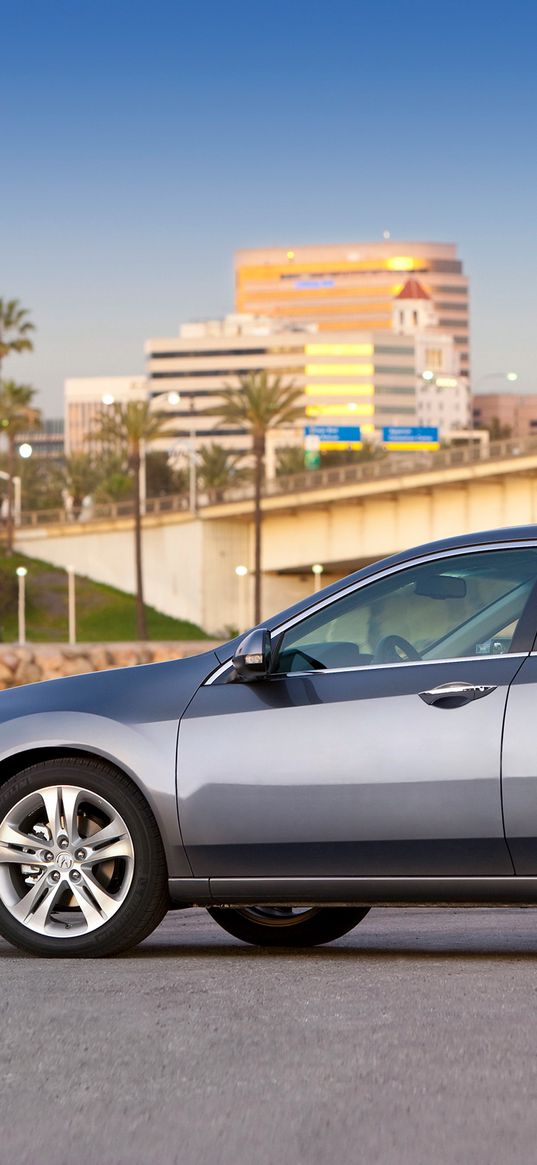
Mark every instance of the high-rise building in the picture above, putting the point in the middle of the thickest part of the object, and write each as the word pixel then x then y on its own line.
pixel 351 286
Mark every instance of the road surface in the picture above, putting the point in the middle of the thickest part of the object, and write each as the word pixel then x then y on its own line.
pixel 411 1041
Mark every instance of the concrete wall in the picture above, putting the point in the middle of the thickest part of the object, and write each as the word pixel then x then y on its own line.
pixel 189 566
pixel 189 563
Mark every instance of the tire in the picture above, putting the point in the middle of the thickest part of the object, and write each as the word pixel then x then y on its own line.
pixel 75 896
pixel 268 926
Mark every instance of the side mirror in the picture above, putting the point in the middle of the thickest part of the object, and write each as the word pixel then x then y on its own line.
pixel 252 658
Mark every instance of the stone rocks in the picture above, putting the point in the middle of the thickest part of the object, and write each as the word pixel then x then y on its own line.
pixel 46 661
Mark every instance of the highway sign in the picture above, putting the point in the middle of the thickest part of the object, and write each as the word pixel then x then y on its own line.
pixel 410 437
pixel 333 436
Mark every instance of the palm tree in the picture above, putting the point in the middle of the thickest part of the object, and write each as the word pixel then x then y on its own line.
pixel 289 460
pixel 129 427
pixel 219 468
pixel 259 403
pixel 16 416
pixel 14 328
pixel 79 478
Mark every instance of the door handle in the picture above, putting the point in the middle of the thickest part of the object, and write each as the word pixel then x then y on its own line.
pixel 456 694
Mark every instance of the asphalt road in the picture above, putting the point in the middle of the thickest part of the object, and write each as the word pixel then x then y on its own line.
pixel 412 1041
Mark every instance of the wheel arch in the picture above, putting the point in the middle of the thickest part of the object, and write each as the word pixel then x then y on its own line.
pixel 18 761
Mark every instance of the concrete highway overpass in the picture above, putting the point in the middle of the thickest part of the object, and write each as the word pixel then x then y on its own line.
pixel 341 518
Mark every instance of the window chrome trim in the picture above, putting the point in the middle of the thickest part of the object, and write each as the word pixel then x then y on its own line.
pixel 325 671
pixel 484 548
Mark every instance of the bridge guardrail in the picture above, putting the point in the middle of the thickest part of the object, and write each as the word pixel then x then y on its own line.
pixel 394 465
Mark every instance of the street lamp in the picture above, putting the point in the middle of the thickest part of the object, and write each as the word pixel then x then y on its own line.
pixel 510 376
pixel 71 603
pixel 317 571
pixel 242 574
pixel 25 450
pixel 21 575
pixel 187 449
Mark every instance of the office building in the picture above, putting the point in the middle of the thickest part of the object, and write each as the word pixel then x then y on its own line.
pixel 84 399
pixel 47 441
pixel 364 378
pixel 506 413
pixel 351 286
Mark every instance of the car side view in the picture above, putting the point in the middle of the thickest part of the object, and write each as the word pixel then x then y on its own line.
pixel 372 745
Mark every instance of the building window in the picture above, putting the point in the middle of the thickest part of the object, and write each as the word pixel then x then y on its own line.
pixel 433 358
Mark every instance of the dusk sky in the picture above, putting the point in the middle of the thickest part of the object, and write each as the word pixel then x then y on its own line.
pixel 142 143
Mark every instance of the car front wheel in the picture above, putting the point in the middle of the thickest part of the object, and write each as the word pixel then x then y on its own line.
pixel 288 926
pixel 82 867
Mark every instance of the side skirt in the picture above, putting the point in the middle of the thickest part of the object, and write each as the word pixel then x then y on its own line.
pixel 507 891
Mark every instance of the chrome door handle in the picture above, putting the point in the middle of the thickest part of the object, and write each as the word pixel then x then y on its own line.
pixel 456 694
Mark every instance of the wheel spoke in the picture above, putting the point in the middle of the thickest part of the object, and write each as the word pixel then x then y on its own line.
pixel 96 905
pixel 52 801
pixel 70 798
pixel 12 843
pixel 37 904
pixel 110 842
pixel 121 848
pixel 16 857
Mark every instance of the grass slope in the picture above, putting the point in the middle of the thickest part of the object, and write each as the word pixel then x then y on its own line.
pixel 104 614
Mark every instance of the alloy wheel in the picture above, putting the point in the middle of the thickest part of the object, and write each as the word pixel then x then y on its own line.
pixel 66 861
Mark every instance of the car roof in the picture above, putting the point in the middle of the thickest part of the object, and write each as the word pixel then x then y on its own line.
pixel 502 534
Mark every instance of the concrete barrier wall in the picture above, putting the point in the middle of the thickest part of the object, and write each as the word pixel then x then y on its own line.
pixel 49 661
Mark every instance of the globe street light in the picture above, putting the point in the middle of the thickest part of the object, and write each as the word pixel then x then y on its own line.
pixel 25 450
pixel 510 376
pixel 21 575
pixel 317 571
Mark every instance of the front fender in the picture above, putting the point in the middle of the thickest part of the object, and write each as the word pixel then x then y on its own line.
pixel 146 752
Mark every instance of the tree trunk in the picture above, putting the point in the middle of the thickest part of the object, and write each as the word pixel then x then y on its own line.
pixel 141 630
pixel 259 451
pixel 10 468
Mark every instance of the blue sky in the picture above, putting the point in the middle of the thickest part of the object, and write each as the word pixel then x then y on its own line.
pixel 143 142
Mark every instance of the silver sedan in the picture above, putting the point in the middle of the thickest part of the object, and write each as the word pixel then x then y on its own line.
pixel 373 744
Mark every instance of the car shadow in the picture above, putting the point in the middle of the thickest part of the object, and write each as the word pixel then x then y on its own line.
pixel 427 936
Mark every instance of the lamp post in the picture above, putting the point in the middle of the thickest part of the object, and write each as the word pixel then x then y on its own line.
pixel 173 398
pixel 185 448
pixel 21 575
pixel 317 570
pixel 16 495
pixel 510 376
pixel 71 603
pixel 242 575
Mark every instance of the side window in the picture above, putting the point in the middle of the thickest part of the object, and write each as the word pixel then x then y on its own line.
pixel 465 605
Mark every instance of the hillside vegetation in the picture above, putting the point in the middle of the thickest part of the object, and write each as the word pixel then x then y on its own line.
pixel 104 614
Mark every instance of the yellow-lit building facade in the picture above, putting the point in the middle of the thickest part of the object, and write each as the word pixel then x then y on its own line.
pixel 348 378
pixel 351 287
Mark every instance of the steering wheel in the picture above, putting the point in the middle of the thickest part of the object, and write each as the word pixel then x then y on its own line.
pixel 386 650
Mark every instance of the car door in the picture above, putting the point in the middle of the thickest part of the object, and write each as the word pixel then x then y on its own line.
pixel 373 748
